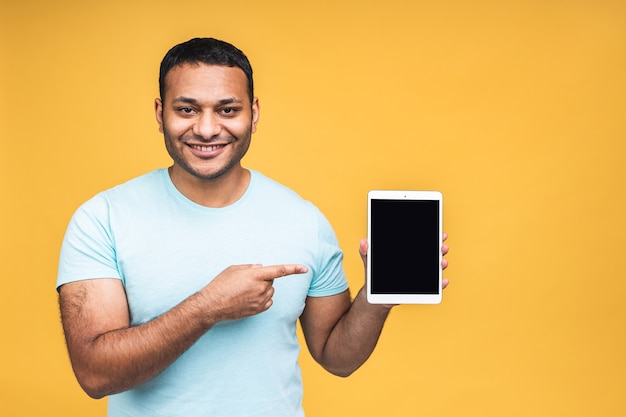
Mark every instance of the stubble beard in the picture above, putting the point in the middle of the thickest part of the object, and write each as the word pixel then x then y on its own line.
pixel 177 155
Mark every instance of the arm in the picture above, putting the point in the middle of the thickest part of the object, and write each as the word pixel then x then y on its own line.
pixel 109 356
pixel 341 334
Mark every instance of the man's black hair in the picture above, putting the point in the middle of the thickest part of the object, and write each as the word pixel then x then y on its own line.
pixel 206 51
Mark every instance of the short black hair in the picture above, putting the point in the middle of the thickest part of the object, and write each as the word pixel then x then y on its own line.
pixel 207 51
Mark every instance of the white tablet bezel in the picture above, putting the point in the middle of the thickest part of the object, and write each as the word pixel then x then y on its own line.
pixel 402 298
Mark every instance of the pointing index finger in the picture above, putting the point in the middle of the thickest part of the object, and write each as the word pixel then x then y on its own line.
pixel 277 271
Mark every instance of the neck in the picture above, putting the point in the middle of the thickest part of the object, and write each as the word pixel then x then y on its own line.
pixel 216 192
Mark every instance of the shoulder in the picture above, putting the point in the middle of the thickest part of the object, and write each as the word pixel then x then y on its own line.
pixel 275 200
pixel 142 191
pixel 131 191
pixel 151 183
pixel 271 191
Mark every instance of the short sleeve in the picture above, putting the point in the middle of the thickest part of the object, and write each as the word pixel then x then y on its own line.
pixel 88 250
pixel 330 278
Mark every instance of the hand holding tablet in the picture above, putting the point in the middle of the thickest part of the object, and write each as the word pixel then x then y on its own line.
pixel 404 254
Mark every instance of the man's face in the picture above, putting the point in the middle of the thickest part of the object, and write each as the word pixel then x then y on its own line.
pixel 206 118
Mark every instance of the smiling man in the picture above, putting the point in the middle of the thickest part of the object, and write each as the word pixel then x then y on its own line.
pixel 180 289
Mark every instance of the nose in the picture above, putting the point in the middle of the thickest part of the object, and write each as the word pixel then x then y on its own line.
pixel 207 125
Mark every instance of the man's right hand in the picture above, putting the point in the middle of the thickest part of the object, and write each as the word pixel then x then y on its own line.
pixel 110 356
pixel 244 290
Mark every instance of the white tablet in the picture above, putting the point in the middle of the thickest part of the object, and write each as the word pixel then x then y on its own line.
pixel 404 256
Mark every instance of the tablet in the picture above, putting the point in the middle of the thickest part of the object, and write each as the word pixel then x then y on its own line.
pixel 404 255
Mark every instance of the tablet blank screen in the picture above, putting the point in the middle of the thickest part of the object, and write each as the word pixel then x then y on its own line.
pixel 405 248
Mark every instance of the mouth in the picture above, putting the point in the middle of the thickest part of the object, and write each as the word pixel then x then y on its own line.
pixel 206 148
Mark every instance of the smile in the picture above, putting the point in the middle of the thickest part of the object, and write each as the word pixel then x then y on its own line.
pixel 207 148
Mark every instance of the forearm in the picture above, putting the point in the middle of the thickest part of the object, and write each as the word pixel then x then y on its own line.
pixel 355 336
pixel 121 359
pixel 110 356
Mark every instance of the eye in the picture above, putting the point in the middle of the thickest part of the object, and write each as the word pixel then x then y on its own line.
pixel 185 111
pixel 229 111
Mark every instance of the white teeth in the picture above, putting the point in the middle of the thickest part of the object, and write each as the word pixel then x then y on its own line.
pixel 206 148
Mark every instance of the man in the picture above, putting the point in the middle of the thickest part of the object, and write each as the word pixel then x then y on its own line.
pixel 180 289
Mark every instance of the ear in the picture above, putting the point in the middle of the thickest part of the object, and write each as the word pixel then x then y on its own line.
pixel 158 110
pixel 255 113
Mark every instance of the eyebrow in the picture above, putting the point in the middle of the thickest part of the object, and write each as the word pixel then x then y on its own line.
pixel 189 100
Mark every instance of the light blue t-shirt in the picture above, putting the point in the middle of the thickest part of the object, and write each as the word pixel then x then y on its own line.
pixel 164 248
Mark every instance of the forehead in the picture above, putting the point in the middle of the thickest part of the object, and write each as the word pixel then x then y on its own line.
pixel 206 81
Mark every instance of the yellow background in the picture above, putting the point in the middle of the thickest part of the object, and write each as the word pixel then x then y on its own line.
pixel 515 110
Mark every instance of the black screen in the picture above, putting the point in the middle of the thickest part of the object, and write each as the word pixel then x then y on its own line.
pixel 405 246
